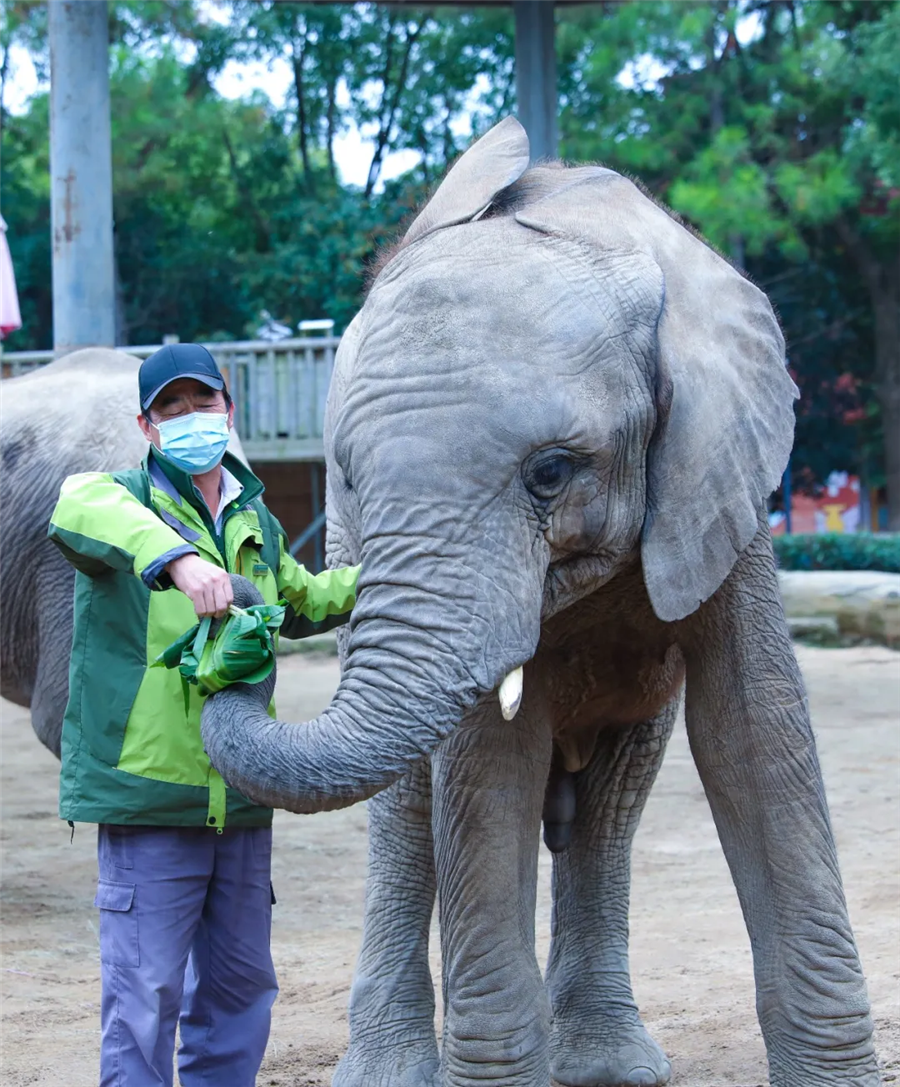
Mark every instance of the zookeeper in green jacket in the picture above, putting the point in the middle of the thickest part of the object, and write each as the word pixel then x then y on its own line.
pixel 184 861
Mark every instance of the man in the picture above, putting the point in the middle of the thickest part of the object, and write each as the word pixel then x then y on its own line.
pixel 184 861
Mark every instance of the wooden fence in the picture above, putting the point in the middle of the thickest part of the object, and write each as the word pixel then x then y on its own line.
pixel 279 390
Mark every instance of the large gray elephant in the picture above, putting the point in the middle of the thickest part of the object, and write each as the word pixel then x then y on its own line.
pixel 76 414
pixel 550 437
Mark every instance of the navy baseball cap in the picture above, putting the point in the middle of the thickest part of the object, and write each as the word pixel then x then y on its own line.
pixel 173 361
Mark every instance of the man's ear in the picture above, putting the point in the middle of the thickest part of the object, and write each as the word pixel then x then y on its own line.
pixel 231 415
pixel 145 426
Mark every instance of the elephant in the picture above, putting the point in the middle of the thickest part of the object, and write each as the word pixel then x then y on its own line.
pixel 550 437
pixel 76 414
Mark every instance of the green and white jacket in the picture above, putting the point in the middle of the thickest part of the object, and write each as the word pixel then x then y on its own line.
pixel 131 748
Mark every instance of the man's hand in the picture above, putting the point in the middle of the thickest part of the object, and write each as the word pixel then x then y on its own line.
pixel 207 586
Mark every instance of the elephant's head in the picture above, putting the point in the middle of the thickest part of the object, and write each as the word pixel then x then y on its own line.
pixel 549 378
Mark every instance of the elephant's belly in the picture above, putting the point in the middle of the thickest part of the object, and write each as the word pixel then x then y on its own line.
pixel 593 692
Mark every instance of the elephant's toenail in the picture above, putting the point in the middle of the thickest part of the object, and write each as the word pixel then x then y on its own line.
pixel 646 1077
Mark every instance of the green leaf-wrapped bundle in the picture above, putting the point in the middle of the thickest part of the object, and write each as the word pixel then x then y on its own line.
pixel 242 650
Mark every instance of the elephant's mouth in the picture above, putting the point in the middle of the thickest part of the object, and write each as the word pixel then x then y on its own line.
pixel 570 579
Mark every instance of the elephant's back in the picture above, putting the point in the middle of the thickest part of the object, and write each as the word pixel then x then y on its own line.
pixel 70 386
pixel 76 414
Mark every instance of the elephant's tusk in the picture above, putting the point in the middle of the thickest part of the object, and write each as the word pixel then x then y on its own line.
pixel 511 694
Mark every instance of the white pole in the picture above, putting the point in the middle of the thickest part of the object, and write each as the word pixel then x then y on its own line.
pixel 536 76
pixel 81 175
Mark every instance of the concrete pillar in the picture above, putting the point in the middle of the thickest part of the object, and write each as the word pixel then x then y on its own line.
pixel 536 75
pixel 81 175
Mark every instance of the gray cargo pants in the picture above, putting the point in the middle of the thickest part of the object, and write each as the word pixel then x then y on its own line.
pixel 185 919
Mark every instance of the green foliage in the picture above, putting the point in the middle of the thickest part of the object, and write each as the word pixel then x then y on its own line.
pixel 227 208
pixel 782 147
pixel 773 128
pixel 839 551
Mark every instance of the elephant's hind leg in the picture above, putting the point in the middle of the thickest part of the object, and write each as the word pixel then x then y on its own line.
pixel 598 1039
pixel 55 586
pixel 392 1039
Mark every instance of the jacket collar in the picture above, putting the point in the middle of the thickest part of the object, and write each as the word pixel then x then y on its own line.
pixel 180 485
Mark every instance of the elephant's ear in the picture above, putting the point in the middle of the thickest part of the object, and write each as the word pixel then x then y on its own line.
pixel 489 166
pixel 725 420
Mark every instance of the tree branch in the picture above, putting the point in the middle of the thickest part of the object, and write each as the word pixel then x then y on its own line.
pixel 388 123
pixel 263 235
pixel 4 69
pixel 297 58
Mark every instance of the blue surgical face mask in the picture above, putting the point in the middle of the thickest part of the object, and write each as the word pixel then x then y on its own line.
pixel 194 443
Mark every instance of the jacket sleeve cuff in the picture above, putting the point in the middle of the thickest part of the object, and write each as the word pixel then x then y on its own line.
pixel 154 576
pixel 298 626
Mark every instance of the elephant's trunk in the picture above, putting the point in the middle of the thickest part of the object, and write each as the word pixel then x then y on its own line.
pixel 404 688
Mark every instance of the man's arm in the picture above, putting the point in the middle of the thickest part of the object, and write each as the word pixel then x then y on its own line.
pixel 319 602
pixel 100 526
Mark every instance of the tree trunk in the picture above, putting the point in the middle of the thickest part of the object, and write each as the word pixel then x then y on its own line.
pixel 263 237
pixel 4 68
pixel 387 122
pixel 297 57
pixel 882 278
pixel 887 368
pixel 329 122
pixel 122 335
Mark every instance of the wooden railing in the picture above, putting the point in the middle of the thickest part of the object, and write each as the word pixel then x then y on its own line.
pixel 279 390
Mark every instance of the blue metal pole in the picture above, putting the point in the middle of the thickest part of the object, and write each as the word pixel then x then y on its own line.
pixel 786 497
pixel 536 76
pixel 81 175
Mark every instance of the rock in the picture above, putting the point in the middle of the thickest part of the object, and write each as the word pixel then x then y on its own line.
pixel 325 644
pixel 818 628
pixel 863 603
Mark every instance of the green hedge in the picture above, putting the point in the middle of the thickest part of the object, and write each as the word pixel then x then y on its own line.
pixel 839 551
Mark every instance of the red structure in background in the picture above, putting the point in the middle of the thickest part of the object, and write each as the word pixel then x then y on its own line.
pixel 836 509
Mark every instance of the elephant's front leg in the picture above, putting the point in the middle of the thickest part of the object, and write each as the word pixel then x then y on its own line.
pixel 489 780
pixel 392 1040
pixel 748 724
pixel 598 1038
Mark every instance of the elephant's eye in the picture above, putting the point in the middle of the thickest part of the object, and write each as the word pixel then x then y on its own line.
pixel 546 475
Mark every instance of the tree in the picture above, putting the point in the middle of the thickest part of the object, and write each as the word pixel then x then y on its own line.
pixel 403 75
pixel 772 127
pixel 799 125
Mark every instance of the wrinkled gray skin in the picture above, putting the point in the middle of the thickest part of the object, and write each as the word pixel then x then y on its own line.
pixel 574 320
pixel 76 414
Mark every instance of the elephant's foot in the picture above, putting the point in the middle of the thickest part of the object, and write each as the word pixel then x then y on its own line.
pixel 610 1049
pixel 498 1042
pixel 789 1071
pixel 812 1077
pixel 394 1061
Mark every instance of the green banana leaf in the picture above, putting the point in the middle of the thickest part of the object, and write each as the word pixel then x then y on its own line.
pixel 242 650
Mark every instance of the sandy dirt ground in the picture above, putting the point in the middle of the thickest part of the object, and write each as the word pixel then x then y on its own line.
pixel 690 954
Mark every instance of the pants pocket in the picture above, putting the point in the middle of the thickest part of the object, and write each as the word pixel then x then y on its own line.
pixel 118 923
